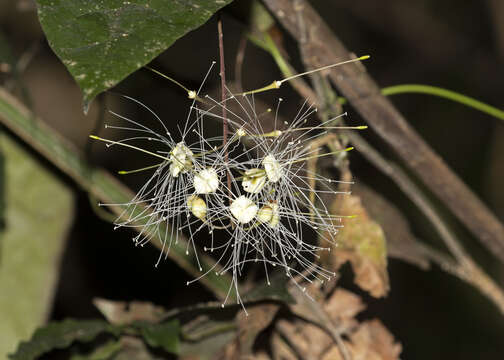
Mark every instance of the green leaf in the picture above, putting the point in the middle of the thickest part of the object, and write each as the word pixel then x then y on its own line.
pixel 277 290
pixel 59 335
pixel 38 215
pixel 102 42
pixel 165 335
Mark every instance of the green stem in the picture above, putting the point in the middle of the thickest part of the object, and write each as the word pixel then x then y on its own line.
pixel 439 92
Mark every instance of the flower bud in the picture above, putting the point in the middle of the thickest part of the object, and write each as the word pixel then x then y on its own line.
pixel 254 180
pixel 197 206
pixel 269 214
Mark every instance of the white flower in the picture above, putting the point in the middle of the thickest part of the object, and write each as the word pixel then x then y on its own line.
pixel 243 209
pixel 206 181
pixel 181 159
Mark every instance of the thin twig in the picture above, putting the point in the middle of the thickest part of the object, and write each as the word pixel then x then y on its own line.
pixel 222 74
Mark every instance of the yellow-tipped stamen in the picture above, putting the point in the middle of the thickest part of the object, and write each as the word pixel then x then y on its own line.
pixel 277 83
pixel 191 94
pixel 128 146
pixel 274 85
pixel 365 57
pixel 125 172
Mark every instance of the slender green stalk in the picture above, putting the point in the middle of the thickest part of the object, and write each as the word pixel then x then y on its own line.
pixel 444 93
pixel 439 92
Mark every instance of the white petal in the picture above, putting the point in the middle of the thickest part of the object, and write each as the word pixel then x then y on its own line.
pixel 243 209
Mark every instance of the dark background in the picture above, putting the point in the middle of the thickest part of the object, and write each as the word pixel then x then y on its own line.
pixel 452 44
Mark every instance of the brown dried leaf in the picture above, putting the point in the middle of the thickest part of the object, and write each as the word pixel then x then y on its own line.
pixel 134 348
pixel 401 243
pixel 328 321
pixel 344 305
pixel 371 341
pixel 339 310
pixel 280 350
pixel 121 312
pixel 363 244
pixel 258 319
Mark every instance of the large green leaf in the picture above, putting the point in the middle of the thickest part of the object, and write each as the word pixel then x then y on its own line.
pixel 59 335
pixel 39 212
pixel 103 41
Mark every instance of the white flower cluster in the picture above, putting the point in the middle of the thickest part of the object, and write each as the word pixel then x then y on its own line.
pixel 253 194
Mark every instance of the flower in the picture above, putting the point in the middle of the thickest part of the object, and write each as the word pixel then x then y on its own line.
pixel 256 189
pixel 206 181
pixel 243 209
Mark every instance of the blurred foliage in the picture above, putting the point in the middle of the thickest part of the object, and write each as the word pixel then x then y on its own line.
pixel 59 336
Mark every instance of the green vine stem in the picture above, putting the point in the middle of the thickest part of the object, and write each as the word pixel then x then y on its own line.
pixel 439 92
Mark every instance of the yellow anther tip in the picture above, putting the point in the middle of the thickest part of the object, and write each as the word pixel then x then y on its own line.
pixel 365 57
pixel 362 127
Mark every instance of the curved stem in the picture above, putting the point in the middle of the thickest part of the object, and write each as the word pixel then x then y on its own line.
pixel 439 92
